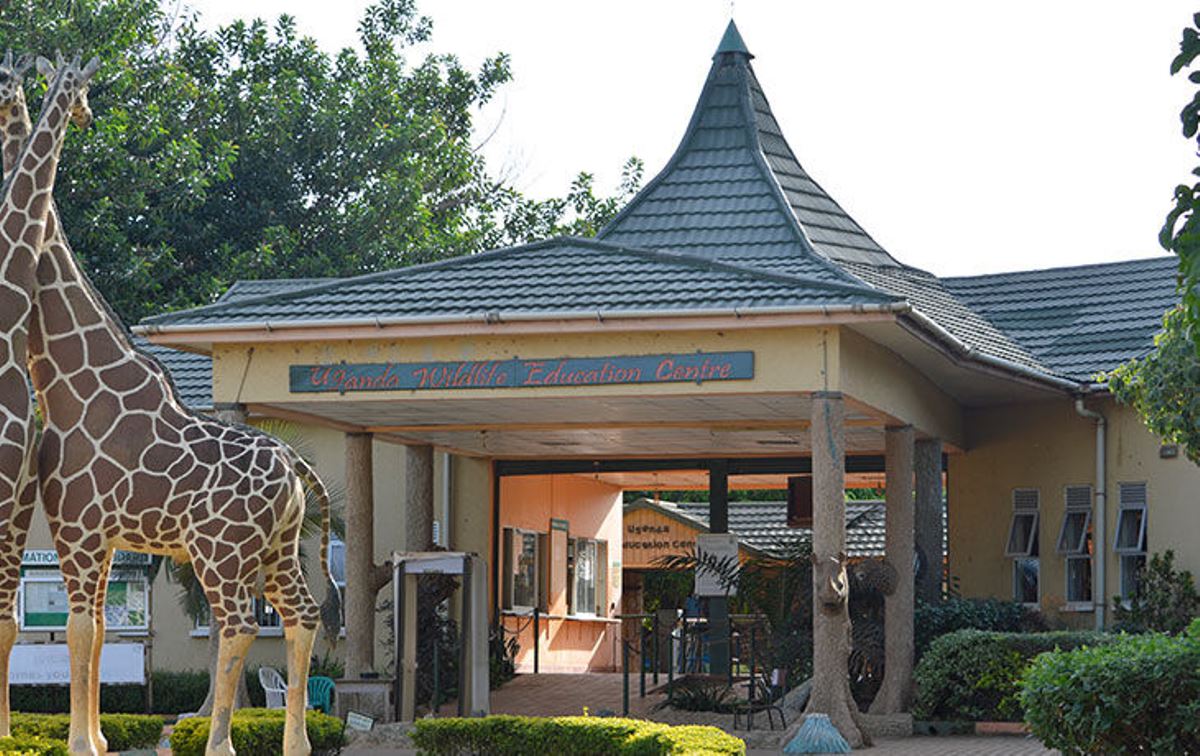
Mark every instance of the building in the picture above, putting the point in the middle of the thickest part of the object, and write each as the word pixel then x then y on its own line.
pixel 502 403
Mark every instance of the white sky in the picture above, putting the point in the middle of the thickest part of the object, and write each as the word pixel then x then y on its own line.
pixel 966 137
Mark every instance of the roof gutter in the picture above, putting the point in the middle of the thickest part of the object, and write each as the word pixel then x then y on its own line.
pixel 499 318
pixel 964 352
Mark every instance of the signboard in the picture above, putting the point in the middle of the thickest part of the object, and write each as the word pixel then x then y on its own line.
pixel 43 601
pixel 50 664
pixel 719 546
pixel 696 367
pixel 649 536
pixel 356 721
pixel 49 558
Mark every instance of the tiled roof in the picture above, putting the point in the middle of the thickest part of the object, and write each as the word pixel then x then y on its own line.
pixel 249 289
pixel 762 525
pixel 191 373
pixel 1078 321
pixel 734 188
pixel 560 275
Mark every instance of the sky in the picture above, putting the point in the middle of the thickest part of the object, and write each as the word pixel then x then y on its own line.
pixel 966 137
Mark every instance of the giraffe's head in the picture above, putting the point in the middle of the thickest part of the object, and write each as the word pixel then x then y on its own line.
pixel 12 80
pixel 76 77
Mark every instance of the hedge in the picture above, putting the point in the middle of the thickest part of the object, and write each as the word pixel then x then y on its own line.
pixel 259 732
pixel 933 620
pixel 975 675
pixel 1139 694
pixel 25 746
pixel 124 732
pixel 174 693
pixel 587 736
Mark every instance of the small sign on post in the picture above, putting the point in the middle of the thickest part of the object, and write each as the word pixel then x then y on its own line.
pixel 356 721
pixel 716 549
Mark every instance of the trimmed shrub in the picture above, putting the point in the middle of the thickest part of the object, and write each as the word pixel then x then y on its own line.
pixel 1166 599
pixel 30 746
pixel 588 736
pixel 975 675
pixel 174 693
pixel 935 620
pixel 259 732
pixel 124 732
pixel 1139 694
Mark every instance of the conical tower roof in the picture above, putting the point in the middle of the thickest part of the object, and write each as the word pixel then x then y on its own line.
pixel 734 189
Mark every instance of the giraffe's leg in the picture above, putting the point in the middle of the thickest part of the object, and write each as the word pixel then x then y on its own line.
pixel 233 616
pixel 82 585
pixel 287 591
pixel 97 646
pixel 17 521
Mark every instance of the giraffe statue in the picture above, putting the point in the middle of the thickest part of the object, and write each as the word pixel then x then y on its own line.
pixel 124 464
pixel 18 489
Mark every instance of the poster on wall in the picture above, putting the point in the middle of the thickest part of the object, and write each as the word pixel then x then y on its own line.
pixel 716 549
pixel 50 664
pixel 42 601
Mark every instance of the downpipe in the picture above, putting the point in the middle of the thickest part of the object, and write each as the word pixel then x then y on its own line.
pixel 1100 542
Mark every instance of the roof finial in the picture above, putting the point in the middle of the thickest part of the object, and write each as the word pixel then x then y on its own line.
pixel 732 42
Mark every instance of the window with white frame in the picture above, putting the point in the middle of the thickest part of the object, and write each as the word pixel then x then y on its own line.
pixel 588 575
pixel 337 563
pixel 1023 545
pixel 1130 540
pixel 1075 543
pixel 264 614
pixel 522 569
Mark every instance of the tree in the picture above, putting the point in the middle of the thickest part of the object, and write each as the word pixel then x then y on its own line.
pixel 249 152
pixel 1164 386
pixel 1181 232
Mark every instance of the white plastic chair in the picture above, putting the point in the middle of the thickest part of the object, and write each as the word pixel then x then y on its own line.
pixel 274 686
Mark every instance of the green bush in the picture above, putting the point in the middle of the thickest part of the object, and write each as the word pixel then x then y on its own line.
pixel 954 613
pixel 1139 694
pixel 30 746
pixel 975 675
pixel 259 732
pixel 1166 600
pixel 123 732
pixel 174 693
pixel 589 736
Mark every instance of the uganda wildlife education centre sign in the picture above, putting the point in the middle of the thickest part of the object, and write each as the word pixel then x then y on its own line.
pixel 697 367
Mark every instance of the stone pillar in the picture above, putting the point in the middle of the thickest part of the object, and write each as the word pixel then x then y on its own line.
pixel 230 412
pixel 929 513
pixel 896 692
pixel 360 558
pixel 418 497
pixel 831 621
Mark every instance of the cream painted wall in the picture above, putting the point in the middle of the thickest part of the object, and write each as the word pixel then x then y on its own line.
pixel 873 374
pixel 1048 446
pixel 786 359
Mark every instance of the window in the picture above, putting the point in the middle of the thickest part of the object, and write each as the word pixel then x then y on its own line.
pixel 1130 540
pixel 1023 545
pixel 264 614
pixel 337 563
pixel 1075 543
pixel 522 561
pixel 588 561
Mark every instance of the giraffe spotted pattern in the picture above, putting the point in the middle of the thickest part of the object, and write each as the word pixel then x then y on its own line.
pixel 123 464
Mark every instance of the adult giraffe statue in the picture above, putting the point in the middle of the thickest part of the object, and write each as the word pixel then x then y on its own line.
pixel 124 464
pixel 18 489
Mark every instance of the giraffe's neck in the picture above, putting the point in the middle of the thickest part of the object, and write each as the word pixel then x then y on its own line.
pixel 14 128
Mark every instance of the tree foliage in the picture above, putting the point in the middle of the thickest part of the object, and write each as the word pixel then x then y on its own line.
pixel 249 152
pixel 1181 231
pixel 1163 385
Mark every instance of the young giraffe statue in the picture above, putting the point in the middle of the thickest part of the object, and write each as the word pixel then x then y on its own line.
pixel 123 464
pixel 18 489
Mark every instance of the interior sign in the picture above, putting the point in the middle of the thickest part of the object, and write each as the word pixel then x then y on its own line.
pixel 694 367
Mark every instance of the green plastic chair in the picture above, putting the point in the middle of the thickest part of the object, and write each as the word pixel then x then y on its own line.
pixel 320 694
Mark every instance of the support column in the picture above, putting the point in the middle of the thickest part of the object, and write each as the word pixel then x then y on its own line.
pixel 831 617
pixel 896 692
pixel 719 651
pixel 360 560
pixel 418 497
pixel 930 526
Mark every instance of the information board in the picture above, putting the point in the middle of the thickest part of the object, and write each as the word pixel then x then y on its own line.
pixel 722 547
pixel 50 664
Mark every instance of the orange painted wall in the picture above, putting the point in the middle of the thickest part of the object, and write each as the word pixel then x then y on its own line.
pixel 592 510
